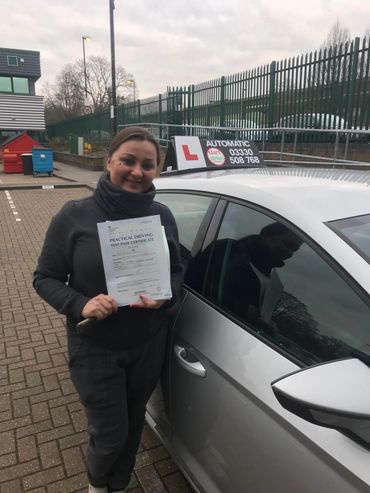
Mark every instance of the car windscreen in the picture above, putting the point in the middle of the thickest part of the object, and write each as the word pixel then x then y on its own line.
pixel 356 232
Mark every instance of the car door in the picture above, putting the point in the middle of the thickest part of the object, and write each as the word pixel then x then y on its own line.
pixel 268 304
pixel 193 213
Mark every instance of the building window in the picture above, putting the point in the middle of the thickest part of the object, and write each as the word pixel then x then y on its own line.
pixel 12 60
pixel 17 85
pixel 6 84
pixel 20 85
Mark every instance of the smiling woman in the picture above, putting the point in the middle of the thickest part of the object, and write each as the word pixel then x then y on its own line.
pixel 116 362
pixel 133 165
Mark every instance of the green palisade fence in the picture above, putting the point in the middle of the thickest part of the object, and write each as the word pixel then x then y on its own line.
pixel 332 81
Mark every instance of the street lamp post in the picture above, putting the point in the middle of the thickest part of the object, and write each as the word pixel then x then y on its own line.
pixel 113 70
pixel 85 38
pixel 133 84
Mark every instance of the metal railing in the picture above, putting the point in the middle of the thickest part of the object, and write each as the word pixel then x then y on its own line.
pixel 334 82
pixel 273 141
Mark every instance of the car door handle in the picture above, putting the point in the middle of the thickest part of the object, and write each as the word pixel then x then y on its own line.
pixel 189 362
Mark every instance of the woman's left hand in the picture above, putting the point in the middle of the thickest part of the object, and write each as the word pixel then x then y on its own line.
pixel 147 302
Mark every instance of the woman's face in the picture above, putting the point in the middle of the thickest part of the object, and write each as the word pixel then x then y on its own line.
pixel 133 165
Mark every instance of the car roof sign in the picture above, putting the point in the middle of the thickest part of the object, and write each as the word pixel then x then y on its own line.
pixel 190 153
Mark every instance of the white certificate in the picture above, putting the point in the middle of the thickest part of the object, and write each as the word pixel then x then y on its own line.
pixel 136 259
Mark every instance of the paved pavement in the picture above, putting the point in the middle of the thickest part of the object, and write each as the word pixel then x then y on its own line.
pixel 63 174
pixel 42 424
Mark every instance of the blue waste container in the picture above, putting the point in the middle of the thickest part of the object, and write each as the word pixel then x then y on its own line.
pixel 42 160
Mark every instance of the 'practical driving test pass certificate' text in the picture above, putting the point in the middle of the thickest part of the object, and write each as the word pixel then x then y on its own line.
pixel 136 259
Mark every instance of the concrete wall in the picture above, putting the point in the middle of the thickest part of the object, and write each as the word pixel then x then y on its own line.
pixel 93 163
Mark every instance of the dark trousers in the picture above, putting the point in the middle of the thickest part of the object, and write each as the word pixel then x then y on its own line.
pixel 114 387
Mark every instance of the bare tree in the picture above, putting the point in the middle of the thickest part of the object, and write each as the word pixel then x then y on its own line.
pixel 337 35
pixel 66 98
pixel 99 82
pixel 334 52
pixel 69 90
pixel 329 66
pixel 334 69
pixel 51 113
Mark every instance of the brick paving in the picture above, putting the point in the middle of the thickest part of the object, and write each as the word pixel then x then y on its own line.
pixel 42 424
pixel 21 179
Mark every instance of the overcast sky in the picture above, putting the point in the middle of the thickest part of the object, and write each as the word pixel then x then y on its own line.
pixel 175 42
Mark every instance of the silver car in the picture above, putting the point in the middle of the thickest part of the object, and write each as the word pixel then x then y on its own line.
pixel 243 129
pixel 266 387
pixel 319 121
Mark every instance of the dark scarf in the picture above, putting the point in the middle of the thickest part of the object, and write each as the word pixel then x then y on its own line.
pixel 120 204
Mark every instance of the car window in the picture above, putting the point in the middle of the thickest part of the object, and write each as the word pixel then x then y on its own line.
pixel 263 274
pixel 190 212
pixel 356 232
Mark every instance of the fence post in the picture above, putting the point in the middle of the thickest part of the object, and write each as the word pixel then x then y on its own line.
pixel 192 89
pixel 271 104
pixel 222 102
pixel 138 110
pixel 188 108
pixel 123 111
pixel 352 82
pixel 160 120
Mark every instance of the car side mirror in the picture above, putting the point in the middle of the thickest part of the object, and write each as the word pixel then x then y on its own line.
pixel 335 395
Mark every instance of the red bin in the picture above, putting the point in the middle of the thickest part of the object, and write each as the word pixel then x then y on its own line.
pixel 20 144
pixel 11 164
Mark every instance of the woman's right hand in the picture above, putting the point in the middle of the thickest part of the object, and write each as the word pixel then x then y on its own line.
pixel 100 307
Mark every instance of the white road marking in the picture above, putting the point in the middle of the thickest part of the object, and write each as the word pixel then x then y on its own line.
pixel 11 205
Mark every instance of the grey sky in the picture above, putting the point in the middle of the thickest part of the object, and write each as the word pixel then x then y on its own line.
pixel 175 42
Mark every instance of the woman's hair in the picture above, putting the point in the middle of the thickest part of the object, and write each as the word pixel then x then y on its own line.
pixel 133 133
